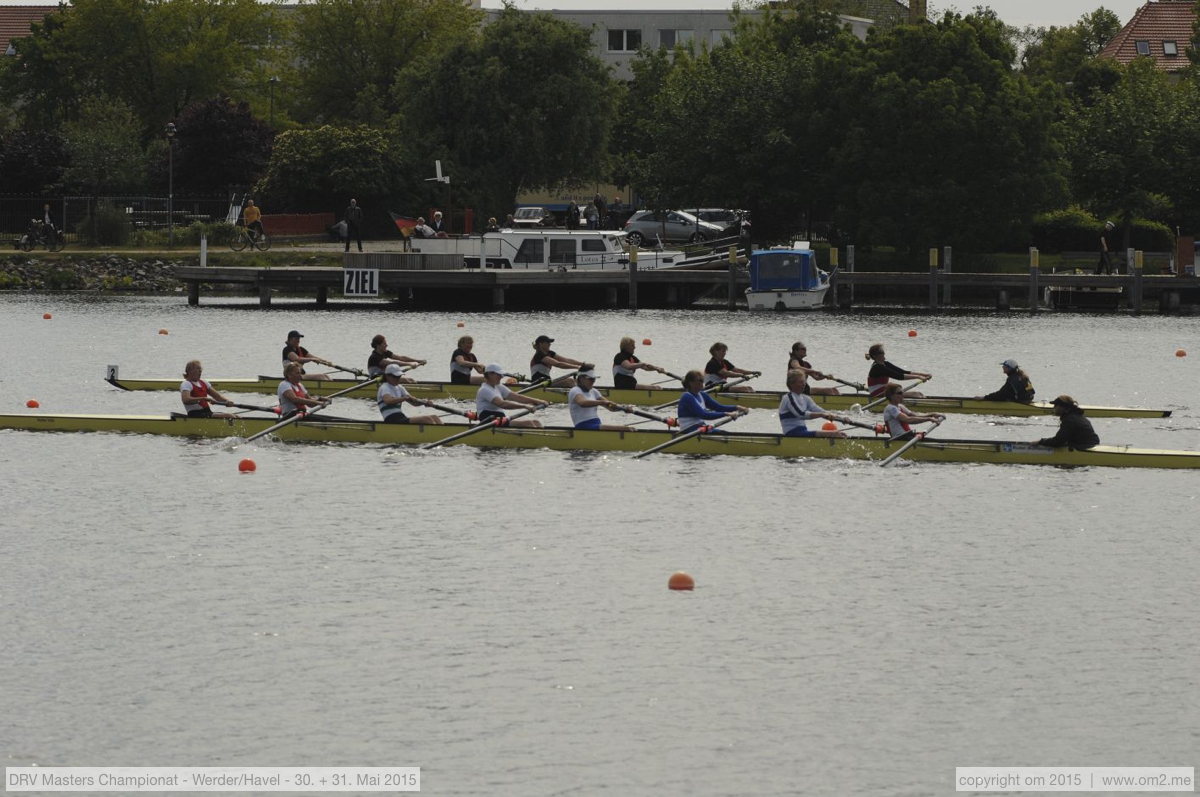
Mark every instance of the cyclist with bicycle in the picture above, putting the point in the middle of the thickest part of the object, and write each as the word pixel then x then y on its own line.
pixel 251 216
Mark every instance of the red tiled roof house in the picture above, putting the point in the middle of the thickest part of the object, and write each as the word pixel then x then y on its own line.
pixel 1161 29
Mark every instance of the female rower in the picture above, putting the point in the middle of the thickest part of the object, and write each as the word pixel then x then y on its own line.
pixel 882 372
pixel 391 395
pixel 696 407
pixel 719 369
pixel 493 398
pixel 1016 387
pixel 797 407
pixel 1074 430
pixel 796 360
pixel 899 418
pixel 626 365
pixel 381 358
pixel 584 400
pixel 465 368
pixel 544 358
pixel 197 394
pixel 293 352
pixel 292 396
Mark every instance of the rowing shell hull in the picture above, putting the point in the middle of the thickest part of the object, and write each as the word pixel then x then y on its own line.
pixel 768 400
pixel 567 439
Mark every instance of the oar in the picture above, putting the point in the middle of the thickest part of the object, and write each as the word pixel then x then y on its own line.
pixel 882 399
pixel 518 377
pixel 918 437
pixel 847 383
pixel 705 390
pixel 702 429
pixel 256 407
pixel 469 414
pixel 336 367
pixel 494 422
pixel 547 385
pixel 878 428
pixel 300 415
pixel 651 416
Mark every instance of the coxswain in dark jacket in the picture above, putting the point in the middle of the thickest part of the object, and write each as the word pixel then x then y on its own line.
pixel 1074 430
pixel 1016 387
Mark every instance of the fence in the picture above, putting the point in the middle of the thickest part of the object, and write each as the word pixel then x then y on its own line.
pixel 108 219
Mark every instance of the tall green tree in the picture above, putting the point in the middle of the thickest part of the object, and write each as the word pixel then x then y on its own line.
pixel 350 53
pixel 525 104
pixel 32 161
pixel 104 150
pixel 220 144
pixel 1056 54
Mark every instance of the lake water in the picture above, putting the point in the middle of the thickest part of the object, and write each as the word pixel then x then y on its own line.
pixel 501 618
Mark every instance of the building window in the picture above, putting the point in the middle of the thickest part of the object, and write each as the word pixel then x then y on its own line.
pixel 624 41
pixel 1170 48
pixel 719 36
pixel 1143 48
pixel 671 37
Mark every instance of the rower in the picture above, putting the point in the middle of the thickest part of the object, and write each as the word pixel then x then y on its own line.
pixel 493 398
pixel 899 418
pixel 585 400
pixel 796 360
pixel 696 407
pixel 381 358
pixel 293 352
pixel 718 370
pixel 626 366
pixel 1074 430
pixel 882 372
pixel 197 394
pixel 544 359
pixel 465 368
pixel 1016 387
pixel 797 407
pixel 391 395
pixel 292 396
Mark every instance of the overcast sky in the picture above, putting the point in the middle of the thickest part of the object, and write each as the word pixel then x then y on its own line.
pixel 1039 13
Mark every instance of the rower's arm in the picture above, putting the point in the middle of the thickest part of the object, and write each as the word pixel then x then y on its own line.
pixel 215 394
pixel 188 399
pixel 561 362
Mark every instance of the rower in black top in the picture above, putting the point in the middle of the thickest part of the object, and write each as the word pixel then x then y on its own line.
pixel 626 365
pixel 796 361
pixel 1074 430
pixel 1016 387
pixel 544 358
pixel 293 352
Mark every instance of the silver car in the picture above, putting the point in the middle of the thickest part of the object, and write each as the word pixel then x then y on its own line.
pixel 669 226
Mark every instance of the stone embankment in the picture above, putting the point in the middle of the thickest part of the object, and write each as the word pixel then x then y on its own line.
pixel 88 273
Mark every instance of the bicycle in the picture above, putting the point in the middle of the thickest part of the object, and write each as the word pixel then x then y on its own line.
pixel 41 234
pixel 248 236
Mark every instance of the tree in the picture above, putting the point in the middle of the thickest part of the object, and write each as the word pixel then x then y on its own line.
pixel 350 53
pixel 103 147
pixel 523 105
pixel 32 161
pixel 220 144
pixel 157 56
pixel 1056 55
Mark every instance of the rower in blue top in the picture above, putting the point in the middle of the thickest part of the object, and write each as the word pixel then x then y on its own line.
pixel 696 407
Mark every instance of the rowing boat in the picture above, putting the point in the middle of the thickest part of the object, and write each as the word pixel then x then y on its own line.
pixel 568 439
pixel 767 400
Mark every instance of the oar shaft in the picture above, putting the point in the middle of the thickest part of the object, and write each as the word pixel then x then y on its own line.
pixel 703 429
pixel 882 399
pixel 918 437
pixel 651 416
pixel 490 424
pixel 300 415
pixel 714 388
pixel 847 382
pixel 452 410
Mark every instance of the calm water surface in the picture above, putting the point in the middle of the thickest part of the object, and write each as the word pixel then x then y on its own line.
pixel 501 619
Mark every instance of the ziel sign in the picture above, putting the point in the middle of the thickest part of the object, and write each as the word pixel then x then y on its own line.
pixel 361 282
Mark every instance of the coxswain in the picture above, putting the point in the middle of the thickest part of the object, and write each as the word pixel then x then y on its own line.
pixel 544 358
pixel 796 360
pixel 465 368
pixel 584 401
pixel 797 406
pixel 293 352
pixel 292 396
pixel 494 398
pixel 1016 387
pixel 1074 430
pixel 718 370
pixel 626 365
pixel 391 395
pixel 197 394
pixel 696 407
pixel 899 418
pixel 882 372
pixel 381 358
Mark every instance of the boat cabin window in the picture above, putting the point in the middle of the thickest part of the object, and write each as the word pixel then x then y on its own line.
pixel 780 267
pixel 593 245
pixel 533 250
pixel 562 253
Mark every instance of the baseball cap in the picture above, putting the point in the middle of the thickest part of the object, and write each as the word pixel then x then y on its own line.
pixel 294 334
pixel 494 369
pixel 544 339
pixel 587 374
pixel 1065 401
pixel 1010 364
pixel 393 370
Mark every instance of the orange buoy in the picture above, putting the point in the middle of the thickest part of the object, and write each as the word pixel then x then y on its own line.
pixel 461 324
pixel 32 404
pixel 829 426
pixel 163 332
pixel 1180 353
pixel 681 581
pixel 647 342
pixel 247 466
pixel 47 316
pixel 912 333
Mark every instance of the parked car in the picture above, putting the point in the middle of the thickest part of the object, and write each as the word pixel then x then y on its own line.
pixel 533 216
pixel 669 226
pixel 731 221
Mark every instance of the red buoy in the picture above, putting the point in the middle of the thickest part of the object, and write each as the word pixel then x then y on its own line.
pixel 163 332
pixel 247 466
pixel 829 426
pixel 32 404
pixel 1180 353
pixel 681 581
pixel 912 333
pixel 647 342
pixel 47 316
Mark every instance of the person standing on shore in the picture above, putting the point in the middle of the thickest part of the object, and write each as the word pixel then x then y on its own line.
pixel 1108 240
pixel 353 218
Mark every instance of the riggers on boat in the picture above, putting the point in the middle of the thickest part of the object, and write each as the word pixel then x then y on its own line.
pixel 766 400
pixel 568 439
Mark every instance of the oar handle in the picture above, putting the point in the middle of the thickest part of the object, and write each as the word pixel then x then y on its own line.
pixel 468 414
pixel 672 422
pixel 878 428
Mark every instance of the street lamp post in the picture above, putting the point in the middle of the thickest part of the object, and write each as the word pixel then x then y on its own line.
pixel 170 131
pixel 272 81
